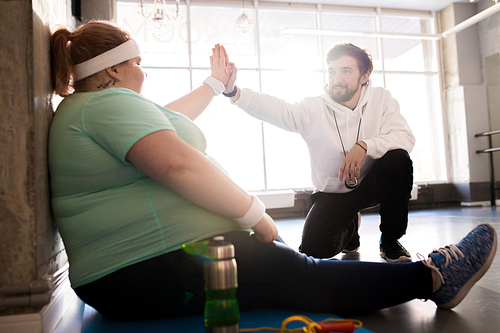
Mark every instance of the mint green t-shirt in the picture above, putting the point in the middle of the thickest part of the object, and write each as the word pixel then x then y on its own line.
pixel 109 213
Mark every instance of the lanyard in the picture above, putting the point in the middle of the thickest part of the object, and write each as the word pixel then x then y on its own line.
pixel 338 130
pixel 349 184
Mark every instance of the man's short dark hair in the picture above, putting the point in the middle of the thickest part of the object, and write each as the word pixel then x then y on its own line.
pixel 363 56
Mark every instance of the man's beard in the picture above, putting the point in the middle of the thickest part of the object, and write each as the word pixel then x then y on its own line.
pixel 340 97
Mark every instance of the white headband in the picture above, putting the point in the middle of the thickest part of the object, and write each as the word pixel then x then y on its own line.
pixel 123 52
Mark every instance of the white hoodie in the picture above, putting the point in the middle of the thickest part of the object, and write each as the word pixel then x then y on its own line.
pixel 382 128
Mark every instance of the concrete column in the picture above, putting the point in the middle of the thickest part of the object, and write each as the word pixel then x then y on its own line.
pixel 466 105
pixel 30 246
pixel 489 43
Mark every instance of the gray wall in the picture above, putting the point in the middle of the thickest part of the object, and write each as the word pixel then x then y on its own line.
pixel 30 246
pixel 97 10
pixel 489 48
pixel 466 105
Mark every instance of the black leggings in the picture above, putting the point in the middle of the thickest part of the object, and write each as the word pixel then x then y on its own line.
pixel 329 224
pixel 269 275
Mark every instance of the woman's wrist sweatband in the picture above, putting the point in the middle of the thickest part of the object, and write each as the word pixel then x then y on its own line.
pixel 216 85
pixel 253 215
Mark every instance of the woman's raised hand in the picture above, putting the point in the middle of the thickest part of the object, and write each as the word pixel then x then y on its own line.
pixel 219 64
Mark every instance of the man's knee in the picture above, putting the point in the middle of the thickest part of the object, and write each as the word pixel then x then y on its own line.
pixel 325 248
pixel 398 160
pixel 321 252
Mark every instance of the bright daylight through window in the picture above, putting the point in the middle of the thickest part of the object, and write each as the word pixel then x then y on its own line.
pixel 290 66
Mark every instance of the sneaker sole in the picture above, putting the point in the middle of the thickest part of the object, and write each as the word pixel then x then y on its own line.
pixel 467 287
pixel 400 259
pixel 350 251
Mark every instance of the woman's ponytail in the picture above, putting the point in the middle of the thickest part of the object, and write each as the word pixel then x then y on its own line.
pixel 61 62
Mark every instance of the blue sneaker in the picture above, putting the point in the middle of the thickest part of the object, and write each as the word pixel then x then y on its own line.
pixel 461 265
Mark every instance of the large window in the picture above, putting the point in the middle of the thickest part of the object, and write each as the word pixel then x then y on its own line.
pixel 290 65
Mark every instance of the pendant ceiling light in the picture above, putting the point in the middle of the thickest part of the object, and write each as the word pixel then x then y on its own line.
pixel 244 24
pixel 159 18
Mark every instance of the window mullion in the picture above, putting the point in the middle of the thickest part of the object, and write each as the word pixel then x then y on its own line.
pixel 378 27
pixel 259 71
pixel 188 22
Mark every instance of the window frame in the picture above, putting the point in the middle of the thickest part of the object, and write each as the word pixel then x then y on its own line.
pixel 252 7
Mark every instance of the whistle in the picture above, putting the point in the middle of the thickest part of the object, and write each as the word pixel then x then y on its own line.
pixel 351 184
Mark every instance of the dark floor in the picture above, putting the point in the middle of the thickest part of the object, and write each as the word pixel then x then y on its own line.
pixel 427 230
pixel 479 311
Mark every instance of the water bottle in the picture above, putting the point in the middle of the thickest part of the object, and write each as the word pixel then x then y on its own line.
pixel 222 313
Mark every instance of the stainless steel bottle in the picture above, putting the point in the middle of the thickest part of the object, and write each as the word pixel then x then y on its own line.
pixel 221 280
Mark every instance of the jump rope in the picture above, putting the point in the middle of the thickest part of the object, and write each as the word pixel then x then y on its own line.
pixel 326 326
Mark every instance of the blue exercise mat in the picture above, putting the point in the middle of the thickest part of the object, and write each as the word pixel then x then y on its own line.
pixel 93 322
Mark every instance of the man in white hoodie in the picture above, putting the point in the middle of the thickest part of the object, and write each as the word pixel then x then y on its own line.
pixel 358 143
